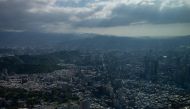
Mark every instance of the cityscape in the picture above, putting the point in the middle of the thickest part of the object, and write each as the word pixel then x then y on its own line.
pixel 98 80
pixel 94 54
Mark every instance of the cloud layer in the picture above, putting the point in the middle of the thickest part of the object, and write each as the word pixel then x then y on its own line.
pixel 49 15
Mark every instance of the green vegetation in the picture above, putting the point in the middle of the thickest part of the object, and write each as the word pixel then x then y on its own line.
pixel 29 64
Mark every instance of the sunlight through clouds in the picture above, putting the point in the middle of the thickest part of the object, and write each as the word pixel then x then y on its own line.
pixel 35 15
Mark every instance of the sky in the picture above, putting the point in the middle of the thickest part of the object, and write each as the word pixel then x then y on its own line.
pixel 157 18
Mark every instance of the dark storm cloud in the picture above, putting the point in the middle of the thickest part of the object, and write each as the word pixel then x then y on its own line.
pixel 39 15
pixel 12 14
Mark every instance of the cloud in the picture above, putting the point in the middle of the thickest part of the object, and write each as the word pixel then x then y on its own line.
pixel 46 15
pixel 147 11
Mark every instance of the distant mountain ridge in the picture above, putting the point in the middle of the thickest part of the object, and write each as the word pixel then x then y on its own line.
pixel 87 41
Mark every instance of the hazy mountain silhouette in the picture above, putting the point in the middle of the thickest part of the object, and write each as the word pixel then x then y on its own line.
pixel 88 41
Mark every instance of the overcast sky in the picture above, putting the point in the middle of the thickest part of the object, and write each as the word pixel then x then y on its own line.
pixel 115 17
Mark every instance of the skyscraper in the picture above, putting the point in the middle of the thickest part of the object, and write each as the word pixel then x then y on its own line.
pixel 85 104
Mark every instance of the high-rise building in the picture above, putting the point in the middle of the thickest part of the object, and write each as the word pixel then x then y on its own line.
pixel 150 68
pixel 85 104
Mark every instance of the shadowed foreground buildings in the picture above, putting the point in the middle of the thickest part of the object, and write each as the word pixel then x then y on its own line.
pixel 96 80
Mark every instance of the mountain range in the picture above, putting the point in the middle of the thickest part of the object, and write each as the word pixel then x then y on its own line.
pixel 88 41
